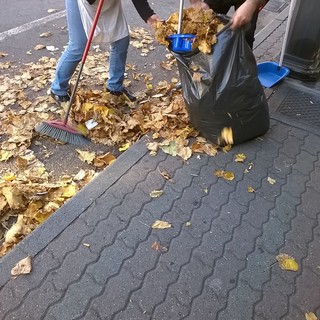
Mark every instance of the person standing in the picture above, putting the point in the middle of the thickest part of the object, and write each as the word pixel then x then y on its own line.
pixel 112 28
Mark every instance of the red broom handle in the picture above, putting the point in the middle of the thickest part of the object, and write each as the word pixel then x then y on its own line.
pixel 84 58
pixel 92 30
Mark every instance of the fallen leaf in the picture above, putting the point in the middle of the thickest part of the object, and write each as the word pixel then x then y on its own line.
pixel 250 189
pixel 165 174
pixel 86 156
pixel 159 224
pixel 45 35
pixel 39 47
pixel 287 262
pixel 227 175
pixel 188 224
pixel 22 267
pixel 271 181
pixel 240 157
pixel 158 247
pixel 124 147
pixel 310 316
pixel 156 193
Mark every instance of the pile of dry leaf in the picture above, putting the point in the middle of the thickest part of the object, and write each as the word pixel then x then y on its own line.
pixel 28 193
pixel 202 23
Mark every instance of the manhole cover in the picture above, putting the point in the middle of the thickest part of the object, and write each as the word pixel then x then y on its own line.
pixel 275 5
pixel 302 106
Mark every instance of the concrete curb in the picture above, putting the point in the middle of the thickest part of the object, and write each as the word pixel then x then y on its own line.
pixel 71 210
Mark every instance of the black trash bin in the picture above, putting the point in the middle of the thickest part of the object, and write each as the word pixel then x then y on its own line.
pixel 302 54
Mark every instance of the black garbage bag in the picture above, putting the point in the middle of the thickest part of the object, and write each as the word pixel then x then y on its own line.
pixel 222 90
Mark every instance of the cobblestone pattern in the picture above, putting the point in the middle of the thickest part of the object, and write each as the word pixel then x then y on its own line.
pixel 221 265
pixel 270 48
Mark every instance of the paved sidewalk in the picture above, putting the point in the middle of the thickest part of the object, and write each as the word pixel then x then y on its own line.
pixel 93 259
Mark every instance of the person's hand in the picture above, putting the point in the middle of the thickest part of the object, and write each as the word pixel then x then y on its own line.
pixel 244 13
pixel 152 21
pixel 199 4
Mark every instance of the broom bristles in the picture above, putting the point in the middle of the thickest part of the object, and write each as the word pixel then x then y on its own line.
pixel 62 133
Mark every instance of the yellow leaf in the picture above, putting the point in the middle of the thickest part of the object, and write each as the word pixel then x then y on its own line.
pixel 124 147
pixel 227 175
pixel 240 157
pixel 226 136
pixel 9 177
pixel 250 189
pixel 287 262
pixel 156 193
pixel 69 191
pixel 22 267
pixel 310 316
pixel 159 224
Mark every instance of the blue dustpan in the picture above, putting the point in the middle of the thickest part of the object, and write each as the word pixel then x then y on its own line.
pixel 270 73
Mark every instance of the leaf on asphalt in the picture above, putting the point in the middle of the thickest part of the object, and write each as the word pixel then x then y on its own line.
pixel 240 157
pixel 188 224
pixel 39 47
pixel 271 181
pixel 156 193
pixel 287 262
pixel 227 175
pixel 24 266
pixel 165 174
pixel 52 10
pixel 104 160
pixel 45 34
pixel 250 189
pixel 158 247
pixel 86 156
pixel 124 147
pixel 159 224
pixel 69 191
pixel 310 316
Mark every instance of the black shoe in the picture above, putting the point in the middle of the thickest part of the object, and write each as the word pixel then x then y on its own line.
pixel 127 94
pixel 59 99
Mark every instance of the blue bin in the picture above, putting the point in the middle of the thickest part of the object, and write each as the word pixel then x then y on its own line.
pixel 270 73
pixel 181 43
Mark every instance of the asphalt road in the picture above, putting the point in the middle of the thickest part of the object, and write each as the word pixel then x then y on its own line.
pixel 21 24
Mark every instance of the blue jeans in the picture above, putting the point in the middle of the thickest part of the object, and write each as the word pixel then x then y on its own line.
pixel 73 54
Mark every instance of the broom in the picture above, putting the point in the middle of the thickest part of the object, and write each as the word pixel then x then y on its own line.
pixel 59 129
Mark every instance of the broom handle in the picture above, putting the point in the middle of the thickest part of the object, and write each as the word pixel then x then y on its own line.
pixel 180 16
pixel 84 58
pixel 284 44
